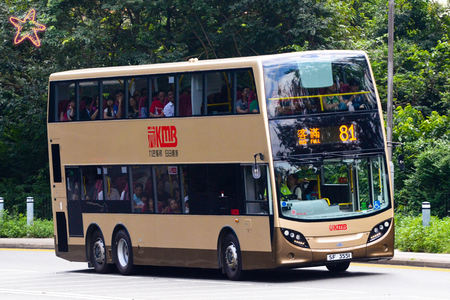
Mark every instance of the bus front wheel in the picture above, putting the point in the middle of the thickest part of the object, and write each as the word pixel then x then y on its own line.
pixel 98 253
pixel 123 253
pixel 232 258
pixel 338 267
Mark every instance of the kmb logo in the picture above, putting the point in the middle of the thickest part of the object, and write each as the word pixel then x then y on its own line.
pixel 338 227
pixel 162 136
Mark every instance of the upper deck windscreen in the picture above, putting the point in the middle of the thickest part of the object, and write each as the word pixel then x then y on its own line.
pixel 318 83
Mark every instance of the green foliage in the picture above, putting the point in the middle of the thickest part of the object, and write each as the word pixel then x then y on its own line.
pixel 411 235
pixel 426 141
pixel 86 34
pixel 15 226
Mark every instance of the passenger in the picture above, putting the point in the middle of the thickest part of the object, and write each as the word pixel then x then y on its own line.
pixel 144 92
pixel 176 193
pixel 162 196
pixel 148 204
pixel 356 101
pixel 95 108
pixel 71 115
pixel 293 187
pixel 137 198
pixel 169 109
pixel 88 113
pixel 133 109
pixel 186 204
pixel 246 94
pixel 242 104
pixel 112 111
pixel 311 192
pixel 312 105
pixel 120 103
pixel 174 207
pixel 335 102
pixel 157 107
pixel 113 194
pixel 254 108
pixel 137 96
pixel 89 188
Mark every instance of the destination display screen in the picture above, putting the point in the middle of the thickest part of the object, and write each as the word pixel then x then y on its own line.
pixel 332 133
pixel 346 133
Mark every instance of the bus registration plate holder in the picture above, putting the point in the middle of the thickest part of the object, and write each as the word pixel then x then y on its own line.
pixel 339 256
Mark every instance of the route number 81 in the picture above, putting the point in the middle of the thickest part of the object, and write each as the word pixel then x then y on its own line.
pixel 347 133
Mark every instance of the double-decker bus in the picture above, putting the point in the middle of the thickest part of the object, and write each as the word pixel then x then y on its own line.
pixel 261 162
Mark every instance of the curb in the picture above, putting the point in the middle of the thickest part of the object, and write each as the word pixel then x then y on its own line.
pixel 414 263
pixel 418 259
pixel 412 259
pixel 27 243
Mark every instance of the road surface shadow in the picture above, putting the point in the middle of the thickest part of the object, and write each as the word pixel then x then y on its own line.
pixel 266 276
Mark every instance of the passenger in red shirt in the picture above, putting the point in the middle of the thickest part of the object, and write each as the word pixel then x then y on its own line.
pixel 157 107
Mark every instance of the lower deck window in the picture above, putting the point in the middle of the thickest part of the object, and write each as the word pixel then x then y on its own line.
pixel 213 189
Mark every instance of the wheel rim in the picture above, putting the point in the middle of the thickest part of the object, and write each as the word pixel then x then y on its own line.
pixel 99 251
pixel 122 252
pixel 231 256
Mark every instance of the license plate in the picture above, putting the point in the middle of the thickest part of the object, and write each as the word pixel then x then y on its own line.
pixel 339 256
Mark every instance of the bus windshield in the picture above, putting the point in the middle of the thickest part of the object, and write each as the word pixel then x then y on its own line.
pixel 334 188
pixel 313 83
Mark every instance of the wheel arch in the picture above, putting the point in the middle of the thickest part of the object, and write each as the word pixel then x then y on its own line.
pixel 88 240
pixel 223 233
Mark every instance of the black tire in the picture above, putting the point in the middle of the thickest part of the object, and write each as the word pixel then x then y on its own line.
pixel 338 267
pixel 98 253
pixel 123 253
pixel 232 258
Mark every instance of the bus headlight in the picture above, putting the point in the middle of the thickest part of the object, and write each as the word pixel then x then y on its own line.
pixel 379 230
pixel 295 237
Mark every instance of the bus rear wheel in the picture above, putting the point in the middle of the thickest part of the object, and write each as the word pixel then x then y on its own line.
pixel 232 258
pixel 338 267
pixel 98 253
pixel 123 253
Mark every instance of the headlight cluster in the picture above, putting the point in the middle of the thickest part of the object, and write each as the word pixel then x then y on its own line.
pixel 379 230
pixel 295 237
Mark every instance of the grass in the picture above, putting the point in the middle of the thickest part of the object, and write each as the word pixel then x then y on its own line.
pixel 15 226
pixel 412 236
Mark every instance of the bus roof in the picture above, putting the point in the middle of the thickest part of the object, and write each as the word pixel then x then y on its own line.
pixel 185 66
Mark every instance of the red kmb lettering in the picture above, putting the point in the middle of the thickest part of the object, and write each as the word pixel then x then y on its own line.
pixel 338 227
pixel 162 136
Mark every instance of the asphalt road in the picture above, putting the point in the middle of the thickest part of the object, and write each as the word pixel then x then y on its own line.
pixel 39 274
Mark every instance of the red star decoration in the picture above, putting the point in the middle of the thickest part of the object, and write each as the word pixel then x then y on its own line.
pixel 29 19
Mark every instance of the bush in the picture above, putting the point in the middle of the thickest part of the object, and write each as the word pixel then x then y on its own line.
pixel 15 226
pixel 411 236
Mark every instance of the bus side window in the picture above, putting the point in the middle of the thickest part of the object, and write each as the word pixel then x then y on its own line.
pixel 223 182
pixel 89 95
pixel 197 193
pixel 73 184
pixel 246 96
pixel 184 100
pixel 89 180
pixel 168 191
pixel 142 190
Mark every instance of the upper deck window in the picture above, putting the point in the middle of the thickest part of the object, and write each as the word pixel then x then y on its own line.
pixel 218 92
pixel 318 83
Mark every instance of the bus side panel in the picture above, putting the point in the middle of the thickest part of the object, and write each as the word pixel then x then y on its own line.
pixel 188 241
